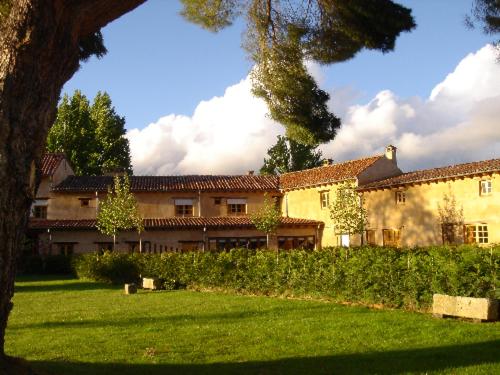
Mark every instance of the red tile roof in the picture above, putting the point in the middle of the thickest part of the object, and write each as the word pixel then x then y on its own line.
pixel 452 171
pixel 173 223
pixel 173 183
pixel 50 162
pixel 326 174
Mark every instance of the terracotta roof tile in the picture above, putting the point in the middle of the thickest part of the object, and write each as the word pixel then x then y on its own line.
pixel 326 174
pixel 50 162
pixel 172 223
pixel 451 171
pixel 173 183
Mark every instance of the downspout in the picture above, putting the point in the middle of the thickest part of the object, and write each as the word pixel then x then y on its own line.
pixel 199 203
pixel 286 204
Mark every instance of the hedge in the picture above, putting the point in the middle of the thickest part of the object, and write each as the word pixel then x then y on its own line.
pixel 403 278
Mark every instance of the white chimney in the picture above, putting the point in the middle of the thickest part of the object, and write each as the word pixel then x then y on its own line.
pixel 390 153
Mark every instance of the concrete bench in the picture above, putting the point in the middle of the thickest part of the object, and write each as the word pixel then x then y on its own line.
pixel 151 283
pixel 478 309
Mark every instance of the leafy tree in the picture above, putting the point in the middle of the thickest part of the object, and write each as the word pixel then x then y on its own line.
pixel 288 156
pixel 268 218
pixel 93 137
pixel 451 218
pixel 347 211
pixel 42 43
pixel 74 134
pixel 113 147
pixel 119 210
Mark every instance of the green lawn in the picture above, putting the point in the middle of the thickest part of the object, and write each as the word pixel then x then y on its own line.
pixel 77 327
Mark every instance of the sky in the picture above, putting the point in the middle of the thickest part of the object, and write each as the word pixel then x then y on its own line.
pixel 185 93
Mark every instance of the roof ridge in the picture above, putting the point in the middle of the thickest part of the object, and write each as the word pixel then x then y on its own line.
pixel 334 164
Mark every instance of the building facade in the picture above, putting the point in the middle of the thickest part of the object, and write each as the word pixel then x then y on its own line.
pixel 450 205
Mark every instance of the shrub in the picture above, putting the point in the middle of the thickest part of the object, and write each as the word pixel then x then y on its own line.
pixel 374 275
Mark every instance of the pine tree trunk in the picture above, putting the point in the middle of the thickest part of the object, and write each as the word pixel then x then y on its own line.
pixel 39 52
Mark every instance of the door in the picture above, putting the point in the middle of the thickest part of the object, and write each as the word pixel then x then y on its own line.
pixel 344 240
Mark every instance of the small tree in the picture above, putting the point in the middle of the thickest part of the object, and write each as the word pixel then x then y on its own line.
pixel 119 210
pixel 451 218
pixel 348 212
pixel 268 218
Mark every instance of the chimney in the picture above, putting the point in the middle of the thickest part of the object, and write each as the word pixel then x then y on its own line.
pixel 327 162
pixel 250 173
pixel 390 153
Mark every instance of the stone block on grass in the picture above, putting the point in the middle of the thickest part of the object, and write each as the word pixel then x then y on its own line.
pixel 478 309
pixel 130 288
pixel 151 283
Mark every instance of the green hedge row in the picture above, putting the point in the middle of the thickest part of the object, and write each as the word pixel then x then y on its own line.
pixel 374 275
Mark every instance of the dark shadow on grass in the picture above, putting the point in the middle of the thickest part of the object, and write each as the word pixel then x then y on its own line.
pixel 179 319
pixel 390 362
pixel 63 287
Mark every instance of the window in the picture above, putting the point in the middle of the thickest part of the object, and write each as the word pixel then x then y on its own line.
pixel 391 237
pixel 183 207
pixel 104 246
pixel 324 197
pixel 66 248
pixel 183 210
pixel 370 237
pixel 485 187
pixel 40 212
pixel 476 233
pixel 84 202
pixel 237 207
pixel 224 243
pixel 294 242
pixel 448 231
pixel 400 197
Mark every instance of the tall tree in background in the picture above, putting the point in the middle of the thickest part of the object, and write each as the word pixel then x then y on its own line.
pixel 289 156
pixel 113 148
pixel 42 43
pixel 74 134
pixel 92 137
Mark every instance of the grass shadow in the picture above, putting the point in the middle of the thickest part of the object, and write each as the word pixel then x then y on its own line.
pixel 179 319
pixel 63 286
pixel 421 360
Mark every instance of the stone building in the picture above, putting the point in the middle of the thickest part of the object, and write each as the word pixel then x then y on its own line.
pixel 451 205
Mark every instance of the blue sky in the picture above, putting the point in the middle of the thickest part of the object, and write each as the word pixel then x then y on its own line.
pixel 160 65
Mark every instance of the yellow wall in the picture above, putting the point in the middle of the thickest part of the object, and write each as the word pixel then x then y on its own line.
pixel 418 218
pixel 151 204
pixel 306 203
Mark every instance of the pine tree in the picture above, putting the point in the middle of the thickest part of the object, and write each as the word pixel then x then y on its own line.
pixel 289 156
pixel 43 42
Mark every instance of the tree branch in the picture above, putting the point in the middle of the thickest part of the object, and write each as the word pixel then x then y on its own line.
pixel 95 14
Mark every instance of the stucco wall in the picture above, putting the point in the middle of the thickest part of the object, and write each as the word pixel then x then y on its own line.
pixel 418 218
pixel 151 205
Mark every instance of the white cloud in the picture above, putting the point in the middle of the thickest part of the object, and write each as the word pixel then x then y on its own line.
pixel 225 135
pixel 230 134
pixel 459 122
